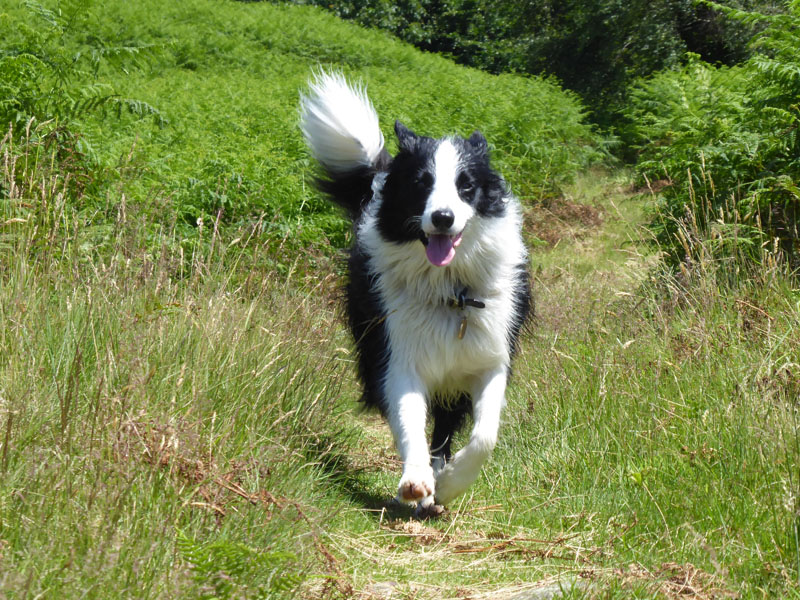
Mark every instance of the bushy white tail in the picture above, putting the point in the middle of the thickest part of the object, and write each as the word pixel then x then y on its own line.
pixel 340 125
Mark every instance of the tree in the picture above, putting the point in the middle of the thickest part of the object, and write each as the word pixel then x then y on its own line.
pixel 596 48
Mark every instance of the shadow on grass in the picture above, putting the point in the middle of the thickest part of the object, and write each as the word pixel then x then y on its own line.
pixel 351 481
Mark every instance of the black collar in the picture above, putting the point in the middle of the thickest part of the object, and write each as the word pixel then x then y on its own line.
pixel 459 300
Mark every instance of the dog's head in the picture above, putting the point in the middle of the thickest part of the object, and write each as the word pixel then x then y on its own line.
pixel 435 189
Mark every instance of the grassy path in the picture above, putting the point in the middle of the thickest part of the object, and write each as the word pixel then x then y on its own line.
pixel 508 536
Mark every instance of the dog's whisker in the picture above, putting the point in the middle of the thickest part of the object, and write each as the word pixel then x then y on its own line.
pixel 413 224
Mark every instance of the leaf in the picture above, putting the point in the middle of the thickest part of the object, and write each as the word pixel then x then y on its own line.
pixel 224 569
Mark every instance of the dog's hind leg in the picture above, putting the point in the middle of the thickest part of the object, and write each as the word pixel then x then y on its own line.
pixel 447 420
pixel 488 400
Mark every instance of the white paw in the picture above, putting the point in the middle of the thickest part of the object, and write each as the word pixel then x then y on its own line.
pixel 448 485
pixel 457 475
pixel 416 485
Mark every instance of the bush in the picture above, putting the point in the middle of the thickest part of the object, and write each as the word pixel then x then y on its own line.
pixel 223 79
pixel 596 48
pixel 725 141
pixel 50 60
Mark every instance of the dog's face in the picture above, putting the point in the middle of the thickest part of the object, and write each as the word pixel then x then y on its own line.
pixel 435 188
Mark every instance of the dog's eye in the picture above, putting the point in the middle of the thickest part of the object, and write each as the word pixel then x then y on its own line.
pixel 465 185
pixel 425 180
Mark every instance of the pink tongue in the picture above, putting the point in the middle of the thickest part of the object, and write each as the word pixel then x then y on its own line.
pixel 440 249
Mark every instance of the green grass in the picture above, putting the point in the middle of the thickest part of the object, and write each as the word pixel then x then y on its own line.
pixel 198 435
pixel 137 409
pixel 226 77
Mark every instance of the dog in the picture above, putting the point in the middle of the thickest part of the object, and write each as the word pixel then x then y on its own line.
pixel 438 287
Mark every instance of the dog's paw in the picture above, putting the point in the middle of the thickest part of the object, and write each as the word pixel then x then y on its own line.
pixel 414 491
pixel 416 486
pixel 449 485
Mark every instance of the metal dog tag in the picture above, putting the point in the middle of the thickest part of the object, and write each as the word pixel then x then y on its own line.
pixel 462 328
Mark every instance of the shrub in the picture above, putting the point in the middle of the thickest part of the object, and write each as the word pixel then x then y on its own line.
pixel 233 570
pixel 223 78
pixel 726 142
pixel 49 64
pixel 596 48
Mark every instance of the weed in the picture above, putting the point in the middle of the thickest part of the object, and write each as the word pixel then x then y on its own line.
pixel 225 570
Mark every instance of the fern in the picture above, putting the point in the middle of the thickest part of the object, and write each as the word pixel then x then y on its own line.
pixel 226 569
pixel 139 109
pixel 49 67
pixel 727 140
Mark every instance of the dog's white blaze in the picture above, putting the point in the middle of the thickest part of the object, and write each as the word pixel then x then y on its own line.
pixel 444 195
pixel 426 356
pixel 340 124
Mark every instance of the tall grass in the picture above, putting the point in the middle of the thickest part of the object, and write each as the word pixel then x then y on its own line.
pixel 176 405
pixel 170 363
pixel 177 421
pixel 658 416
pixel 149 392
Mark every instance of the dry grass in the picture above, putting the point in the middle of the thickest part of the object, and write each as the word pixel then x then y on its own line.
pixel 557 219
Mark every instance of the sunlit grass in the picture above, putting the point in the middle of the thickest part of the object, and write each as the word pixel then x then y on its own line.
pixel 169 410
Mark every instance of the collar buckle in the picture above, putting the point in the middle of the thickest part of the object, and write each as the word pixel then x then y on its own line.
pixel 460 301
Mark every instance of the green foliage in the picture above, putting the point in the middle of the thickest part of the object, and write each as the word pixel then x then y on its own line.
pixel 596 48
pixel 228 569
pixel 50 62
pixel 223 79
pixel 726 139
pixel 119 401
pixel 149 388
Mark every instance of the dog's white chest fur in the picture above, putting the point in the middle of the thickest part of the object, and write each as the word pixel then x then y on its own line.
pixel 426 336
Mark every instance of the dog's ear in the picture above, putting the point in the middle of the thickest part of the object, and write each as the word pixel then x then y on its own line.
pixel 478 142
pixel 405 137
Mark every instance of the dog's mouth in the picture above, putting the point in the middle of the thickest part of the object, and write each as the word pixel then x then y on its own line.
pixel 441 248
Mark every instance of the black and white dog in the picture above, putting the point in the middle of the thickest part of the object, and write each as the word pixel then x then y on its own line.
pixel 438 288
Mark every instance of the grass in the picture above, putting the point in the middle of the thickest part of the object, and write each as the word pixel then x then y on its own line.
pixel 649 448
pixel 142 394
pixel 180 422
pixel 225 78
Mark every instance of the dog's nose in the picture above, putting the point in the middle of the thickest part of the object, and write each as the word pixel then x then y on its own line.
pixel 443 219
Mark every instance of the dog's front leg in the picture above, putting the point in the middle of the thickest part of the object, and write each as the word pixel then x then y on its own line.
pixel 407 412
pixel 488 400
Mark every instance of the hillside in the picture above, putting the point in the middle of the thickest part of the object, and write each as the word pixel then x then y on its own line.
pixel 215 89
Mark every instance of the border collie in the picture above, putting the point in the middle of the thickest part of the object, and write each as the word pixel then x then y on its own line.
pixel 438 288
